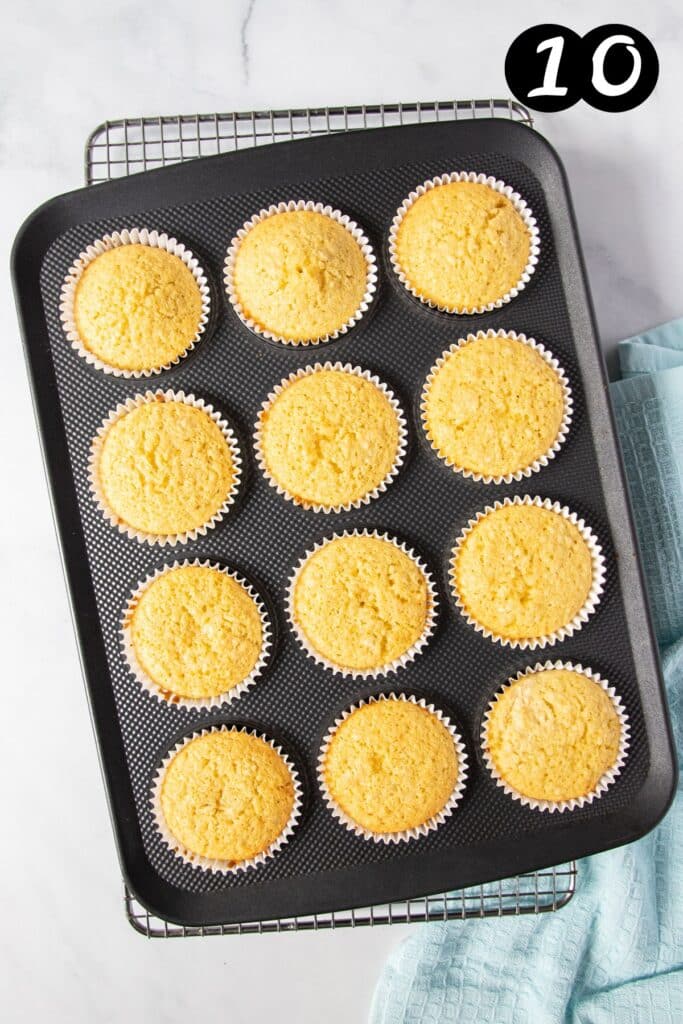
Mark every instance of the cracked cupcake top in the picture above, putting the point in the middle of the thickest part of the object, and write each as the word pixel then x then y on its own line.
pixel 329 438
pixel 523 572
pixel 361 602
pixel 494 406
pixel 299 274
pixel 552 735
pixel 137 307
pixel 462 245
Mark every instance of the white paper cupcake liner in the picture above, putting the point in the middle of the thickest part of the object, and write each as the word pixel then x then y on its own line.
pixel 403 835
pixel 604 782
pixel 480 179
pixel 168 697
pixel 542 460
pixel 328 211
pixel 132 236
pixel 98 493
pixel 383 670
pixel 597 584
pixel 220 867
pixel 341 368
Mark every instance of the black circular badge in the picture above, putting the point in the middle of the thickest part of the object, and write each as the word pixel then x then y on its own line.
pixel 621 68
pixel 544 68
pixel 613 68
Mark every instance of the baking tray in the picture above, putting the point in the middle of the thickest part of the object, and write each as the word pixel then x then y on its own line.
pixel 324 867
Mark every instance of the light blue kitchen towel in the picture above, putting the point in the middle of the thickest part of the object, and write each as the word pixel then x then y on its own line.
pixel 614 955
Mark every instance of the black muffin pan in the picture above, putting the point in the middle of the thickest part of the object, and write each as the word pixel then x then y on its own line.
pixel 324 866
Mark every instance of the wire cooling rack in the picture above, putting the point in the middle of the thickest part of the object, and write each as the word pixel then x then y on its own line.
pixel 537 893
pixel 117 148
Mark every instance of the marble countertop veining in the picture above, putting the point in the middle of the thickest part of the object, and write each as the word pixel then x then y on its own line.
pixel 66 952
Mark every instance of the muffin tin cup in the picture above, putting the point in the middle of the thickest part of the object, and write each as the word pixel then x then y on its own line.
pixel 604 782
pixel 400 450
pixel 481 179
pixel 97 490
pixel 312 207
pixel 541 461
pixel 129 236
pixel 594 594
pixel 221 867
pixel 167 696
pixel 383 670
pixel 404 835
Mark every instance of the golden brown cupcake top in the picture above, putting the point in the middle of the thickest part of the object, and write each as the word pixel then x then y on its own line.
pixel 523 571
pixel 494 406
pixel 361 602
pixel 462 245
pixel 196 632
pixel 300 275
pixel 391 766
pixel 329 438
pixel 164 468
pixel 553 734
pixel 227 796
pixel 137 307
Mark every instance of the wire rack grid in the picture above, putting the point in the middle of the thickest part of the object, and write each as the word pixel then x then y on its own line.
pixel 118 148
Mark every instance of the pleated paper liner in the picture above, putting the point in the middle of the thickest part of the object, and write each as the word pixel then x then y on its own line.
pixel 97 490
pixel 498 186
pixel 312 207
pixel 404 835
pixel 165 696
pixel 129 236
pixel 605 781
pixel 400 448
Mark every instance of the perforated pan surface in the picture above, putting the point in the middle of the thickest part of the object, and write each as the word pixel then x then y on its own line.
pixel 324 866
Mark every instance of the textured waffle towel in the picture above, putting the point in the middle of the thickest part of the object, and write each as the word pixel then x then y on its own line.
pixel 615 954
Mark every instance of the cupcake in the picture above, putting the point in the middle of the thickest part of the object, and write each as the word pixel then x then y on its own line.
pixel 361 604
pixel 392 769
pixel 496 406
pixel 134 303
pixel 464 243
pixel 164 467
pixel 226 799
pixel 195 634
pixel 527 572
pixel 555 737
pixel 330 437
pixel 300 273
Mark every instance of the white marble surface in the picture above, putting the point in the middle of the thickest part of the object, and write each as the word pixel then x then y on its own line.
pixel 66 953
